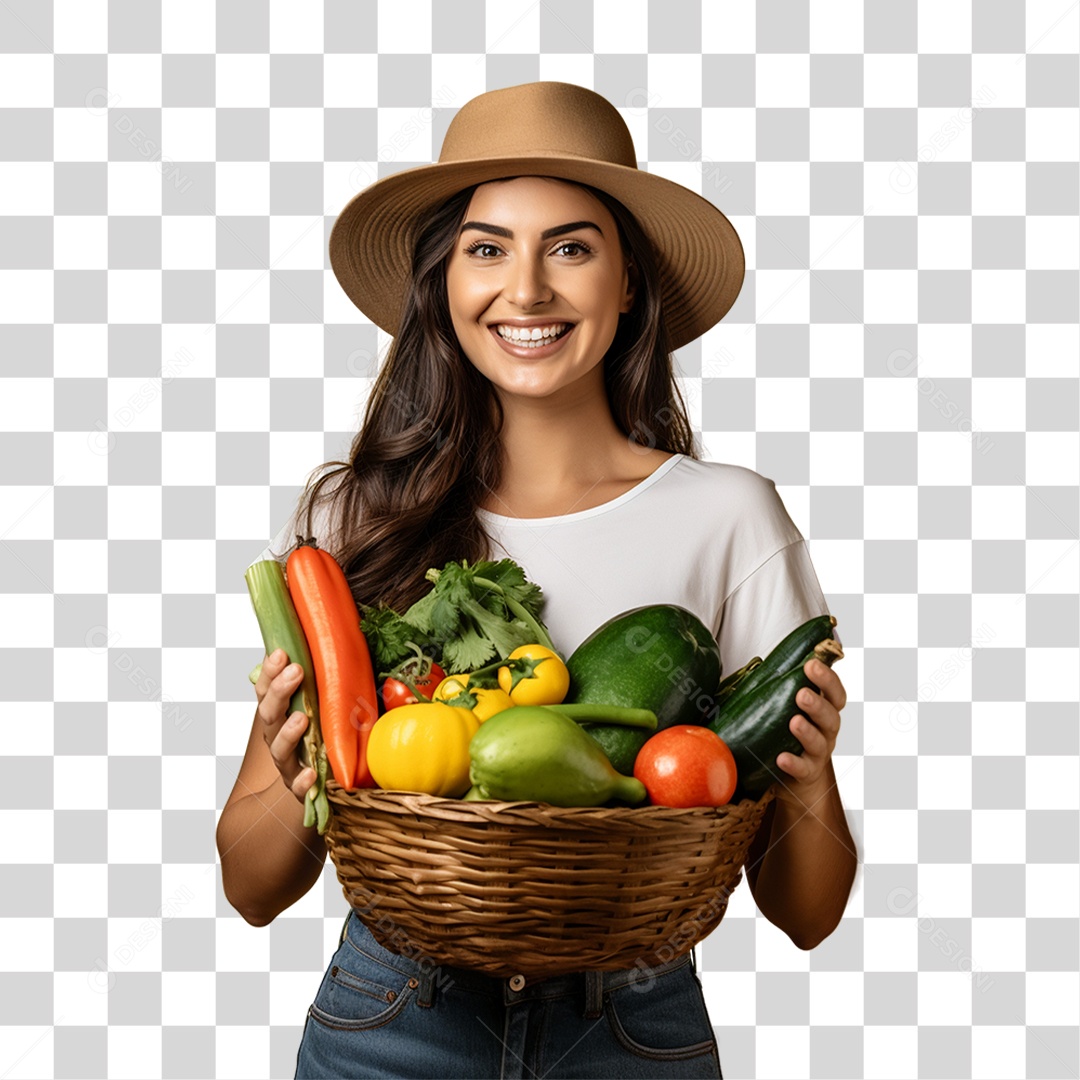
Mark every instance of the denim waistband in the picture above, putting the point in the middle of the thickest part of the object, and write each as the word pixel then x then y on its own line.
pixel 514 987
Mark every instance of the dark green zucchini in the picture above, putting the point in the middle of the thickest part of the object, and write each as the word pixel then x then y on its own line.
pixel 755 727
pixel 728 687
pixel 783 657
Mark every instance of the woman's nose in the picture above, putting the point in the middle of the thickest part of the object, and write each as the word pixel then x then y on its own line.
pixel 526 282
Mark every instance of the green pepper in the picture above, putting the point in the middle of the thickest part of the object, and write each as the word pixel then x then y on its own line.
pixel 538 753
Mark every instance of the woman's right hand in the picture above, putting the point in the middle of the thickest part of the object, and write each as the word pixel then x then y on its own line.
pixel 281 731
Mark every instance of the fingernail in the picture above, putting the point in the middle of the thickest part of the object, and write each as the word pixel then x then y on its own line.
pixel 805 697
pixel 292 671
pixel 277 655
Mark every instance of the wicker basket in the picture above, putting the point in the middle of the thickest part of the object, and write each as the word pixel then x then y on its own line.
pixel 535 889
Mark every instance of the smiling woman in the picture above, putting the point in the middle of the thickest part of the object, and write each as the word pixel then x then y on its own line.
pixel 535 298
pixel 457 411
pixel 537 281
pixel 537 312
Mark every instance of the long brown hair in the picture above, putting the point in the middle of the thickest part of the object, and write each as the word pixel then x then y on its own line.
pixel 427 451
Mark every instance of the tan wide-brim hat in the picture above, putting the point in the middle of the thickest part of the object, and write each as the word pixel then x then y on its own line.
pixel 541 129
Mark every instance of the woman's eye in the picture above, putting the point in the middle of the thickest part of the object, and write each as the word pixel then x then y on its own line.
pixel 482 245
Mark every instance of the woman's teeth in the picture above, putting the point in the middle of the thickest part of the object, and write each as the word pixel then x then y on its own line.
pixel 532 337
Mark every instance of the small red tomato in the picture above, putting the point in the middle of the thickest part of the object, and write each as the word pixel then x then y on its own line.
pixel 426 683
pixel 395 693
pixel 686 765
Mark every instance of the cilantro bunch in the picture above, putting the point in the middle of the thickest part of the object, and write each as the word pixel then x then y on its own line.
pixel 473 614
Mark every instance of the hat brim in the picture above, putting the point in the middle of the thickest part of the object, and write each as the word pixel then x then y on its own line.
pixel 700 254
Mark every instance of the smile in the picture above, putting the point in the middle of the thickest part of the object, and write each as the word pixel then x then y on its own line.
pixel 549 339
pixel 529 334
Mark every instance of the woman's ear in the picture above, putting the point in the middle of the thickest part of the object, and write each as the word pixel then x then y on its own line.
pixel 631 287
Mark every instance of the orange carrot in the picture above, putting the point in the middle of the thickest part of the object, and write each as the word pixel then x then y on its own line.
pixel 344 677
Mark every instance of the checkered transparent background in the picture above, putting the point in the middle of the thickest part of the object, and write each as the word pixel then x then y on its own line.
pixel 902 361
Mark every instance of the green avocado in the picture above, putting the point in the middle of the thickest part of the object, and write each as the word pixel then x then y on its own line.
pixel 659 656
pixel 621 744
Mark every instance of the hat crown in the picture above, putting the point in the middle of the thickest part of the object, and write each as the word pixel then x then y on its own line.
pixel 536 120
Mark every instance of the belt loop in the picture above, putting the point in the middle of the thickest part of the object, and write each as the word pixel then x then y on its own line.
pixel 426 994
pixel 594 994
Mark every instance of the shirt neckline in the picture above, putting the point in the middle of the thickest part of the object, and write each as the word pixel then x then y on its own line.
pixel 592 511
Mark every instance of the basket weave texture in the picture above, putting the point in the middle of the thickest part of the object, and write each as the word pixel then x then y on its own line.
pixel 526 887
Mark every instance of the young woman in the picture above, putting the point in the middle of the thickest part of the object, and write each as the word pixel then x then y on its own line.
pixel 575 457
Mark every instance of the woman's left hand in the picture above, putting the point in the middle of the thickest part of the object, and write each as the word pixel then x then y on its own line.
pixel 808 771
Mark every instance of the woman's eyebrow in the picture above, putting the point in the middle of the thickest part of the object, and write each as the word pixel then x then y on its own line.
pixel 547 234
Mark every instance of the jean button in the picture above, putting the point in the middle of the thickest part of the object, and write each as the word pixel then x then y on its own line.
pixel 517 982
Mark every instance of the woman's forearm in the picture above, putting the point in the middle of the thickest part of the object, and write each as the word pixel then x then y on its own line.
pixel 808 870
pixel 268 858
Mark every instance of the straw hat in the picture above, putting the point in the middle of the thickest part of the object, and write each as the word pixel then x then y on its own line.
pixel 545 129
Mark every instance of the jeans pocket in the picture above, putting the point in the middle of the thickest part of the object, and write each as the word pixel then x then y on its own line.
pixel 359 991
pixel 664 1019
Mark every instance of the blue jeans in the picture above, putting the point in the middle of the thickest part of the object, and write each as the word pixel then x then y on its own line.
pixel 381 1014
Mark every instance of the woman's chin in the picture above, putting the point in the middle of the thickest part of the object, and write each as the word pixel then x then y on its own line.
pixel 532 384
pixel 531 390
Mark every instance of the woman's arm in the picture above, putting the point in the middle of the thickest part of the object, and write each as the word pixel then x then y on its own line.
pixel 802 863
pixel 268 858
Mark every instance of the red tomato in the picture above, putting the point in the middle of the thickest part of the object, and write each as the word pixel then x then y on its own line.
pixel 426 685
pixel 395 692
pixel 686 765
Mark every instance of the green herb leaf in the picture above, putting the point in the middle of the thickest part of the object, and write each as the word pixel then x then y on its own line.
pixel 504 636
pixel 446 621
pixel 455 584
pixel 388 635
pixel 421 614
pixel 511 579
pixel 470 621
pixel 468 650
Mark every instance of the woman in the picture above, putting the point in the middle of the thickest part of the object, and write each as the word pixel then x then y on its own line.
pixel 575 458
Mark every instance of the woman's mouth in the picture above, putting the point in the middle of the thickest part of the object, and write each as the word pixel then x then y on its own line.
pixel 533 347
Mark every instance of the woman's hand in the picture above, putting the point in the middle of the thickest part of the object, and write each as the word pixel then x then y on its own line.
pixel 283 733
pixel 817 735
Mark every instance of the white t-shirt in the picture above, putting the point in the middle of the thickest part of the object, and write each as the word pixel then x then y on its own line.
pixel 711 537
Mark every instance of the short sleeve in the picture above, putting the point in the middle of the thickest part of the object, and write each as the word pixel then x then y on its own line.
pixel 781 594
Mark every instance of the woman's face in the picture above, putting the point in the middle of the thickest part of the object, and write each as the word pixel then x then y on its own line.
pixel 516 263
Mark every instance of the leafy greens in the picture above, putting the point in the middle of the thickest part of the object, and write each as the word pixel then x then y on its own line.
pixel 473 614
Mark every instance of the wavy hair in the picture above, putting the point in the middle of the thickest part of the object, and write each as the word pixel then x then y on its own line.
pixel 427 450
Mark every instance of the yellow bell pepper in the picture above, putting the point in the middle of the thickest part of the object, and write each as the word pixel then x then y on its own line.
pixel 423 747
pixel 489 700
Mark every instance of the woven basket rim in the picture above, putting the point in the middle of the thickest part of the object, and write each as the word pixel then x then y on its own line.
pixel 400 801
